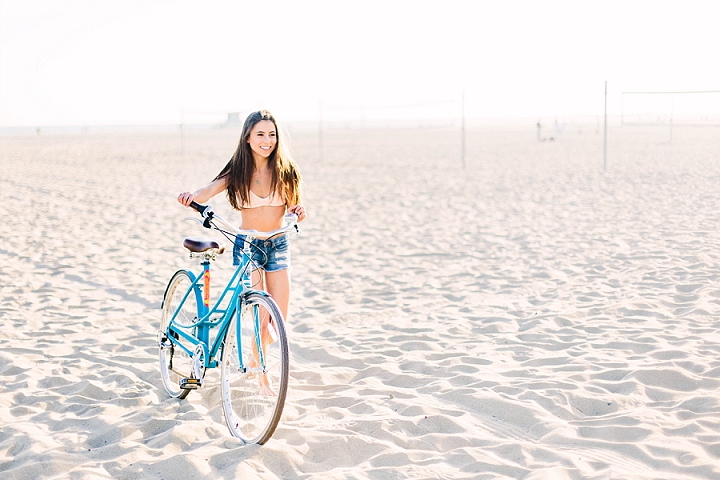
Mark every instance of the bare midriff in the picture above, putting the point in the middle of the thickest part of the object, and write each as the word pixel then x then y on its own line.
pixel 263 219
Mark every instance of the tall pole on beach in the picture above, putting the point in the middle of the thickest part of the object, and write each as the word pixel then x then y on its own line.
pixel 605 133
pixel 672 110
pixel 320 130
pixel 463 130
pixel 182 131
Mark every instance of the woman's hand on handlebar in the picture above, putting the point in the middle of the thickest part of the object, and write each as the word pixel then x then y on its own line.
pixel 298 210
pixel 186 198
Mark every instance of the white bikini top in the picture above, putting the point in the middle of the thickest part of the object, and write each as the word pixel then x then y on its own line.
pixel 272 200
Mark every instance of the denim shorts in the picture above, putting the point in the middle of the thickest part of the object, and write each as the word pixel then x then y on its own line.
pixel 271 254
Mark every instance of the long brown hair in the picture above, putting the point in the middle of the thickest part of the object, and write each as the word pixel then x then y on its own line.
pixel 239 170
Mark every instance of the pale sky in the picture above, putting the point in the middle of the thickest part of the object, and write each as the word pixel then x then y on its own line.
pixel 90 62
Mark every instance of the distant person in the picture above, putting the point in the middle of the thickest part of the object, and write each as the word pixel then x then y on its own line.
pixel 538 130
pixel 263 183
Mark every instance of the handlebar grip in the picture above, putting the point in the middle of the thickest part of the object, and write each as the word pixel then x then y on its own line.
pixel 198 207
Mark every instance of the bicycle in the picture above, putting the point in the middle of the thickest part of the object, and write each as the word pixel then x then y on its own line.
pixel 250 340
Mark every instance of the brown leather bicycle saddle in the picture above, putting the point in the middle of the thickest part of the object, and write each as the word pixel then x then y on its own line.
pixel 202 244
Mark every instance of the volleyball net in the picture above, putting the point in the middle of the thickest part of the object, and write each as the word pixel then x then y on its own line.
pixel 694 108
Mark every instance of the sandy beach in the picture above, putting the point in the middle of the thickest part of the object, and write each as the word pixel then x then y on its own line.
pixel 528 316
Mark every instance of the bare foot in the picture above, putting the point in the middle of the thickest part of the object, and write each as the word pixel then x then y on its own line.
pixel 266 388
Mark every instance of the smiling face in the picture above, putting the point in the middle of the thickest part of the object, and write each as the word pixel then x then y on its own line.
pixel 263 139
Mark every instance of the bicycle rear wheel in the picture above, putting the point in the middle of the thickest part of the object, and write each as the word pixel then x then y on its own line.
pixel 175 363
pixel 254 389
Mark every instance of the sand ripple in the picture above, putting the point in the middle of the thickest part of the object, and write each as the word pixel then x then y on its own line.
pixel 528 317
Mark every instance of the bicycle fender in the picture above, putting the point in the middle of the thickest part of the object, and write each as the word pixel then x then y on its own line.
pixel 250 291
pixel 192 276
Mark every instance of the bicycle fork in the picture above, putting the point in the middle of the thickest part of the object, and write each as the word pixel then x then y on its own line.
pixel 257 344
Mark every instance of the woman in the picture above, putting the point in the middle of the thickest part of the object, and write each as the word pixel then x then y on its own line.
pixel 262 181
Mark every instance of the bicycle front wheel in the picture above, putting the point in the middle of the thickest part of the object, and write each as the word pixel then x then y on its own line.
pixel 175 363
pixel 255 367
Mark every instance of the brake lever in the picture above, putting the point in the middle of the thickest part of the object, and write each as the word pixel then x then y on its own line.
pixel 205 223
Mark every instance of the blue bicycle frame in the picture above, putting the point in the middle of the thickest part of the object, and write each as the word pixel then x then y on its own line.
pixel 238 288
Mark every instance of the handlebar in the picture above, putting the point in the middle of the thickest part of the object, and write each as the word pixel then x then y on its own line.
pixel 206 211
pixel 211 218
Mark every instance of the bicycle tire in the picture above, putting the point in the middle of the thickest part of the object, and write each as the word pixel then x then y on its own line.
pixel 253 400
pixel 175 363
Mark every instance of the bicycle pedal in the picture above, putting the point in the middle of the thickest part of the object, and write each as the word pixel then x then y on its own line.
pixel 191 383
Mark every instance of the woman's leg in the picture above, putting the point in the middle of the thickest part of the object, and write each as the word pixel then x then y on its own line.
pixel 277 284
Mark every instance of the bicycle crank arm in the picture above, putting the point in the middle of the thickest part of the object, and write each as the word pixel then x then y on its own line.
pixel 176 372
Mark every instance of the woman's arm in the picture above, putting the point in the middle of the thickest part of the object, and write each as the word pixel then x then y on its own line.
pixel 205 193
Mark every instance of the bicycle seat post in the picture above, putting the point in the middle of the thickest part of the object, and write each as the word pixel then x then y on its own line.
pixel 203 332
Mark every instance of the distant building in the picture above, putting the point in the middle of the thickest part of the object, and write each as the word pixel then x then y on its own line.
pixel 233 119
